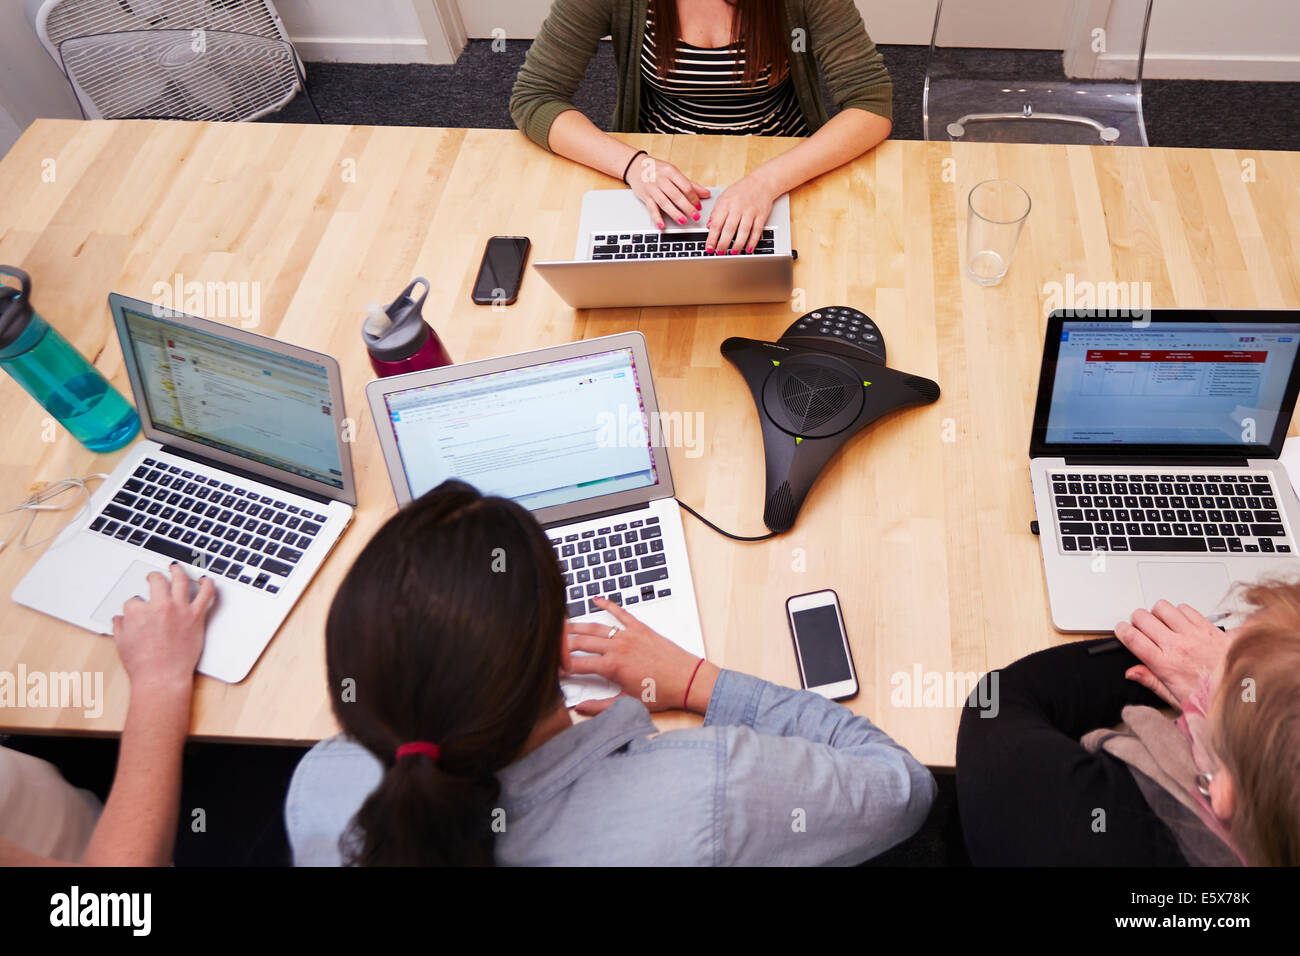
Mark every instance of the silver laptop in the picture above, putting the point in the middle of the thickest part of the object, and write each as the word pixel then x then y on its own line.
pixel 566 432
pixel 622 259
pixel 1154 459
pixel 244 476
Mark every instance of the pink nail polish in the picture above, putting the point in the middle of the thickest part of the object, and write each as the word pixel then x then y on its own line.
pixel 696 217
pixel 733 252
pixel 682 221
pixel 708 250
pixel 750 249
pixel 709 223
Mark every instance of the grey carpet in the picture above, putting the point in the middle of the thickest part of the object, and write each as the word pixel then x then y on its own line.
pixel 476 92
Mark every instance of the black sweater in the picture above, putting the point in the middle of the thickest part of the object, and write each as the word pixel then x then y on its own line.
pixel 1028 791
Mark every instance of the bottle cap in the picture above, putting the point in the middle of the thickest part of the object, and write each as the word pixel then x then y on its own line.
pixel 15 306
pixel 377 320
pixel 406 332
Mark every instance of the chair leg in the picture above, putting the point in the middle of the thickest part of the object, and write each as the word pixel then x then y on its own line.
pixel 307 91
pixel 302 78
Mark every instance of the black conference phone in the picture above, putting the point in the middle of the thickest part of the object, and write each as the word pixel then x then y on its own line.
pixel 816 387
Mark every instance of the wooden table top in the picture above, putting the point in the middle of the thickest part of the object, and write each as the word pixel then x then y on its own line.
pixel 921 524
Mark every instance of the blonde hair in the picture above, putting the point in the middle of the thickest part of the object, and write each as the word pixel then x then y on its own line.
pixel 1256 722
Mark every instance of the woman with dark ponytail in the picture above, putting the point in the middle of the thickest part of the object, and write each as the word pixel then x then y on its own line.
pixel 447 628
pixel 445 645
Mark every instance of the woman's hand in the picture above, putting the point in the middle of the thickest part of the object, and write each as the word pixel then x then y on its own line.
pixel 644 664
pixel 160 640
pixel 739 216
pixel 665 191
pixel 1176 645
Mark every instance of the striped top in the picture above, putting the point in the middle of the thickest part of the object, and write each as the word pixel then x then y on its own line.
pixel 703 93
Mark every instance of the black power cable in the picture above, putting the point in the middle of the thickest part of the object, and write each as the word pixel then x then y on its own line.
pixel 733 537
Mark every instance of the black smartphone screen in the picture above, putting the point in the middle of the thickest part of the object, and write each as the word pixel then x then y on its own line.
pixel 821 646
pixel 502 270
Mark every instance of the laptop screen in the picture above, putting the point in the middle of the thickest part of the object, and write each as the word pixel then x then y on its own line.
pixel 543 435
pixel 1186 383
pixel 259 405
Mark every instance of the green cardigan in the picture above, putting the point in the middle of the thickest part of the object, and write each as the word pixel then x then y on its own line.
pixel 826 32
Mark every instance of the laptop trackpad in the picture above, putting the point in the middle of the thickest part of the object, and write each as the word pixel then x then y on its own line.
pixel 133 583
pixel 1183 582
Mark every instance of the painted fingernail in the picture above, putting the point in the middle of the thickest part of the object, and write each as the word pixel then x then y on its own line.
pixel 750 249
pixel 659 224
pixel 699 206
pixel 708 250
pixel 709 223
pixel 682 220
pixel 696 217
pixel 733 252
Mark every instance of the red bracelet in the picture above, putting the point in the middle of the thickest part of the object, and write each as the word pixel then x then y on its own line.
pixel 686 696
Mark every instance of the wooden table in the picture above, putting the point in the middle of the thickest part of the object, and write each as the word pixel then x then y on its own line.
pixel 921 524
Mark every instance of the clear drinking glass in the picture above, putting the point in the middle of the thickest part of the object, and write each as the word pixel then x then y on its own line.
pixel 998 208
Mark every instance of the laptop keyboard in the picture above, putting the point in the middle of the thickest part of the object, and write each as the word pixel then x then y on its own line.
pixel 1170 512
pixel 213 524
pixel 664 245
pixel 622 562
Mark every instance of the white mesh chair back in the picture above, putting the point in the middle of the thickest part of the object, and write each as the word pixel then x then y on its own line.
pixel 60 20
pixel 166 74
pixel 214 60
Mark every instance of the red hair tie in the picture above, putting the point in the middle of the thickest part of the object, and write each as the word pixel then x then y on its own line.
pixel 432 751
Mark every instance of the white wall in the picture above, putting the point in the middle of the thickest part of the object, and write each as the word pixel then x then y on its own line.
pixel 1022 23
pixel 1191 39
pixel 30 84
pixel 356 31
pixel 1207 39
pixel 9 130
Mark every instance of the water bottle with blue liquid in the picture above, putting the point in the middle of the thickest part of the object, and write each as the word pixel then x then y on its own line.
pixel 56 375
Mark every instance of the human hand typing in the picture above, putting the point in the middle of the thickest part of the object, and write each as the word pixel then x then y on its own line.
pixel 665 190
pixel 643 663
pixel 1176 646
pixel 160 640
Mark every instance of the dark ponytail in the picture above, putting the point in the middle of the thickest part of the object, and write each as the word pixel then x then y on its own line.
pixel 447 629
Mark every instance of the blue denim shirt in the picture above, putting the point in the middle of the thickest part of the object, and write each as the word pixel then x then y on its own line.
pixel 775 776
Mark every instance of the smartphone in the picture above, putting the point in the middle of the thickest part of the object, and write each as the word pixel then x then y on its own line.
pixel 821 645
pixel 502 270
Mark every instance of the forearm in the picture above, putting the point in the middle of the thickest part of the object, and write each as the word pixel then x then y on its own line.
pixel 743 700
pixel 1070 689
pixel 847 136
pixel 138 825
pixel 700 690
pixel 858 790
pixel 575 137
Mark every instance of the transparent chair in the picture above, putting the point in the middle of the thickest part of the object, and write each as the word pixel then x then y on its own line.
pixel 981 94
pixel 208 75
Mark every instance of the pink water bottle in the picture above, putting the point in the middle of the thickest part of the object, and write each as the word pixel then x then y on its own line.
pixel 399 340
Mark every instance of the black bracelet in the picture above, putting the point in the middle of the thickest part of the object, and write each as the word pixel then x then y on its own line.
pixel 639 152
